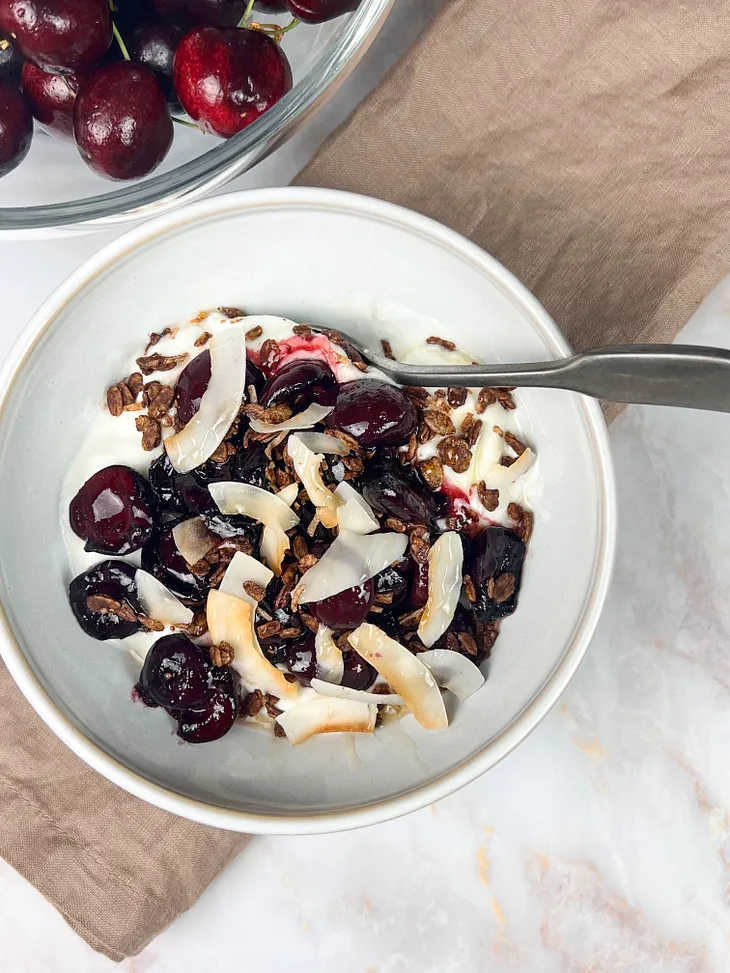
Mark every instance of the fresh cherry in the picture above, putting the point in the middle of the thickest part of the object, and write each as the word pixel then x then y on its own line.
pixel 16 127
pixel 114 511
pixel 191 13
pixel 104 600
pixel 299 383
pixel 191 385
pixel 389 492
pixel 301 658
pixel 154 45
pixel 317 11
pixel 122 123
pixel 359 674
pixel 227 78
pixel 492 552
pixel 209 722
pixel 249 466
pixel 177 674
pixel 186 492
pixel 161 557
pixel 51 98
pixel 11 60
pixel 418 590
pixel 347 608
pixel 373 413
pixel 63 36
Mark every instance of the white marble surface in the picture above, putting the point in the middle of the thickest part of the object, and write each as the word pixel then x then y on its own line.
pixel 602 844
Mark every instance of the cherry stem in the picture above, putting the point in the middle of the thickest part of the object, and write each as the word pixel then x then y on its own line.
pixel 275 31
pixel 246 14
pixel 120 42
pixel 184 121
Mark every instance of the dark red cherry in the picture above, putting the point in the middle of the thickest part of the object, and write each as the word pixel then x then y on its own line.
pixel 359 674
pixel 114 511
pixel 16 127
pixel 162 559
pixel 122 124
pixel 163 480
pixel 299 383
pixel 191 385
pixel 177 674
pixel 492 552
pixel 317 11
pixel 388 492
pixel 186 492
pixel 249 466
pixel 271 6
pixel 301 658
pixel 347 608
pixel 63 36
pixel 154 45
pixel 418 589
pixel 255 377
pixel 51 98
pixel 373 413
pixel 227 78
pixel 191 13
pixel 392 583
pixel 104 600
pixel 11 60
pixel 209 722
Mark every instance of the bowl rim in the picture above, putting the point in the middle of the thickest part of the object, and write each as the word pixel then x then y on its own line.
pixel 513 734
pixel 224 160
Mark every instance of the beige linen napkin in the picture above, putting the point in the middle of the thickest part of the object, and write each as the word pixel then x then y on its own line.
pixel 582 142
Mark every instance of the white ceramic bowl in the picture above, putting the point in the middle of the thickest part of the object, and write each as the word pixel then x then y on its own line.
pixel 311 255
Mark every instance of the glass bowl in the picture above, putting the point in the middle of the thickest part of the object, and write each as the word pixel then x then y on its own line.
pixel 54 189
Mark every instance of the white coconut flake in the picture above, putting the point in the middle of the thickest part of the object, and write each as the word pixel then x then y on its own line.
pixel 159 603
pixel 330 664
pixel 289 493
pixel 244 498
pixel 445 564
pixel 498 477
pixel 231 620
pixel 404 673
pixel 324 715
pixel 307 466
pixel 193 539
pixel 356 514
pixel 302 420
pixel 357 695
pixel 274 545
pixel 351 560
pixel 320 442
pixel 244 568
pixel 219 405
pixel 453 671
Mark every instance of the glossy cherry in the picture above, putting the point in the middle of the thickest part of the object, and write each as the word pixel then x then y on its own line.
pixel 492 552
pixel 191 13
pixel 209 722
pixel 317 11
pixel 161 557
pixel 191 386
pixel 388 491
pixel 122 124
pixel 227 78
pixel 16 127
pixel 418 588
pixel 374 413
pixel 299 383
pixel 392 583
pixel 63 36
pixel 347 608
pixel 177 674
pixel 186 492
pixel 301 659
pixel 249 466
pixel 114 511
pixel 111 581
pixel 359 674
pixel 11 60
pixel 51 98
pixel 154 45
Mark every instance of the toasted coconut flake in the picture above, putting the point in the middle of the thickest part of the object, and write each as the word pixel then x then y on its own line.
pixel 244 568
pixel 351 559
pixel 330 664
pixel 302 420
pixel 193 539
pixel 274 545
pixel 404 673
pixel 243 498
pixel 356 514
pixel 307 465
pixel 445 563
pixel 289 494
pixel 320 442
pixel 198 440
pixel 231 620
pixel 498 477
pixel 453 671
pixel 357 695
pixel 325 715
pixel 159 603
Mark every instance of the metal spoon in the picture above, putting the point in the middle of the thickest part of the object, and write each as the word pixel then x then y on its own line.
pixel 680 375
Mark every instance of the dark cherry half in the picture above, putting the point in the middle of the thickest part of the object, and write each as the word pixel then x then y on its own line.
pixel 209 722
pixel 51 98
pixel 154 45
pixel 104 600
pixel 114 511
pixel 227 78
pixel 191 385
pixel 390 493
pixel 347 608
pixel 317 11
pixel 63 36
pixel 122 124
pixel 177 674
pixel 492 552
pixel 162 559
pixel 186 492
pixel 418 589
pixel 299 383
pixel 190 13
pixel 301 659
pixel 249 466
pixel 16 127
pixel 373 413
pixel 359 674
